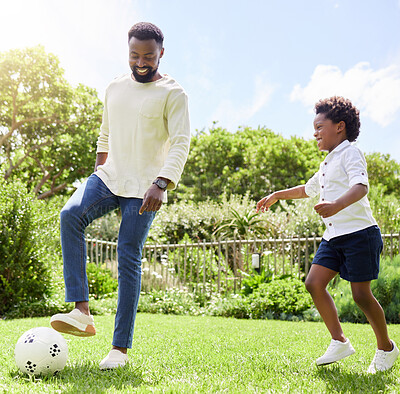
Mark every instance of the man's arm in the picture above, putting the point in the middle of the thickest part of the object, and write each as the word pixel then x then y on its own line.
pixel 329 208
pixel 179 135
pixel 101 158
pixel 288 194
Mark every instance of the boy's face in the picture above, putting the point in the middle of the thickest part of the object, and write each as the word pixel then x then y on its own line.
pixel 327 133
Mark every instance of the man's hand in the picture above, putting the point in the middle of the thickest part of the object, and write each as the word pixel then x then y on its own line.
pixel 266 202
pixel 327 208
pixel 152 199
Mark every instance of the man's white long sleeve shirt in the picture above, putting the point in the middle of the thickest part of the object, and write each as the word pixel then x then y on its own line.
pixel 146 133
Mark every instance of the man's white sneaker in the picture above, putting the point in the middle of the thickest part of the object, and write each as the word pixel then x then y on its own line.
pixel 383 360
pixel 74 323
pixel 335 352
pixel 114 359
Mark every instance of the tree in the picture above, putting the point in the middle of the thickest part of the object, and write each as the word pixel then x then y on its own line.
pixel 258 162
pixel 254 161
pixel 48 128
pixel 384 171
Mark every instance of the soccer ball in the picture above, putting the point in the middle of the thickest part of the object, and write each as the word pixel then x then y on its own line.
pixel 41 351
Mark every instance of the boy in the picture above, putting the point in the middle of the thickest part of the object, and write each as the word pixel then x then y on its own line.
pixel 352 242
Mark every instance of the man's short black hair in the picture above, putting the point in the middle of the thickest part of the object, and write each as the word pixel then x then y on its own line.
pixel 146 31
pixel 338 109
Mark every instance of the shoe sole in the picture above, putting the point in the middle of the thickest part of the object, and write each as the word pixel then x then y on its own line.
pixel 334 361
pixel 109 367
pixel 66 328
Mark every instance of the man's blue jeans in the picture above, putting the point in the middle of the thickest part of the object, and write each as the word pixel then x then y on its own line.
pixel 90 201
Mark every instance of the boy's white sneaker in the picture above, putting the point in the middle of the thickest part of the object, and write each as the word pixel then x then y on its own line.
pixel 383 360
pixel 114 359
pixel 74 323
pixel 335 352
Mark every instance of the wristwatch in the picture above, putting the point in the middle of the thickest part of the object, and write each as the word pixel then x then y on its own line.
pixel 161 184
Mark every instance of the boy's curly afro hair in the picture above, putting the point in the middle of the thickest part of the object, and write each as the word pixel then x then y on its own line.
pixel 338 109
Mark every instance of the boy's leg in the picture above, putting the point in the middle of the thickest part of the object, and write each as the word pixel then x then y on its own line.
pixel 316 282
pixel 387 352
pixel 364 298
pixel 90 201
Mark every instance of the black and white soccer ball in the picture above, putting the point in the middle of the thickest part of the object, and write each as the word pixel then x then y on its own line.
pixel 41 351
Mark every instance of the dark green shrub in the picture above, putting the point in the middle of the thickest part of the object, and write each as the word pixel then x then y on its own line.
pixel 169 302
pixel 386 289
pixel 231 306
pixel 27 246
pixel 252 282
pixel 287 295
pixel 100 280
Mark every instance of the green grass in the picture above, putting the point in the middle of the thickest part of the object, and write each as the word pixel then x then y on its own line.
pixel 184 354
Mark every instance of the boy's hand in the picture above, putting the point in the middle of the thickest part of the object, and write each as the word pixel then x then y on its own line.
pixel 264 204
pixel 355 193
pixel 327 208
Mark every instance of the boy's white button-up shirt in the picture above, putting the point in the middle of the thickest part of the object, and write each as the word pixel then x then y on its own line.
pixel 342 168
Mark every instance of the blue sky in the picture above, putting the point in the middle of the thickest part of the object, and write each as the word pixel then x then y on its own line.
pixel 243 63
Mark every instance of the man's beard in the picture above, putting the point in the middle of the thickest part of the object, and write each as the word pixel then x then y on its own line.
pixel 144 78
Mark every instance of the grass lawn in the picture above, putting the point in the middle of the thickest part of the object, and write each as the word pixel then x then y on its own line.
pixel 205 354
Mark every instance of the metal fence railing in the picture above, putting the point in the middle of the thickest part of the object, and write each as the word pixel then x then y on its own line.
pixel 220 265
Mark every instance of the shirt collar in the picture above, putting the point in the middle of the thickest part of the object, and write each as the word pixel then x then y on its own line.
pixel 339 148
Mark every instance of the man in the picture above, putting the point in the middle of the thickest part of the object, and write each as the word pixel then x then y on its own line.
pixel 141 151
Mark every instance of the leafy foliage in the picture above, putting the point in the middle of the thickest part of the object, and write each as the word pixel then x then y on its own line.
pixel 385 208
pixel 246 224
pixel 384 171
pixel 248 161
pixel 286 295
pixel 100 280
pixel 254 281
pixel 285 298
pixel 48 129
pixel 386 289
pixel 28 241
pixel 197 221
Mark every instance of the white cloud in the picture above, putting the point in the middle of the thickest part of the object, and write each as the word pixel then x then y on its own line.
pixel 375 92
pixel 232 114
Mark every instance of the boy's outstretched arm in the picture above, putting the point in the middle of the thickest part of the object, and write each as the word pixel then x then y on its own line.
pixel 287 194
pixel 329 208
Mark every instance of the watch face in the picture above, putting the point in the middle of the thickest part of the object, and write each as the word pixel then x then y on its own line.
pixel 162 184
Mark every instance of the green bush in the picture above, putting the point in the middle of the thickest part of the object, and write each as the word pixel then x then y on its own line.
pixel 287 295
pixel 386 289
pixel 284 299
pixel 28 240
pixel 172 301
pixel 252 282
pixel 100 281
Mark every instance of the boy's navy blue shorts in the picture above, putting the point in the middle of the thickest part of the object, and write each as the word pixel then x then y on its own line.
pixel 355 256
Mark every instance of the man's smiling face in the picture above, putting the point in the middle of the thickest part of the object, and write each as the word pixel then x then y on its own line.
pixel 144 58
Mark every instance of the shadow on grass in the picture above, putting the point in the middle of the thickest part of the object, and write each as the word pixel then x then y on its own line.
pixel 87 377
pixel 341 381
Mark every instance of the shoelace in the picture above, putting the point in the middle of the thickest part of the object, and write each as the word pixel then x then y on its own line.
pixel 379 358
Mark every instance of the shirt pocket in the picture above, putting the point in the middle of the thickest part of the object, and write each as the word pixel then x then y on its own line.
pixel 152 108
